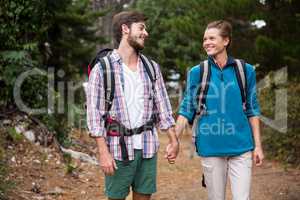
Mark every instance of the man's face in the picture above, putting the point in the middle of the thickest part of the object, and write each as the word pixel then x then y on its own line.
pixel 137 35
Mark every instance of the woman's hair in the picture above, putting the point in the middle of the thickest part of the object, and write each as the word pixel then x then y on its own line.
pixel 125 17
pixel 224 27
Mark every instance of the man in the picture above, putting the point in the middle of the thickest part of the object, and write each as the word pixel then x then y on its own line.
pixel 134 104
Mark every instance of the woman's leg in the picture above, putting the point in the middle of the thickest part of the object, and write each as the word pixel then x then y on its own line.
pixel 215 173
pixel 239 171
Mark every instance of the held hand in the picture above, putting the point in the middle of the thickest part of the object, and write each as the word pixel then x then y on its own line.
pixel 172 152
pixel 258 156
pixel 107 163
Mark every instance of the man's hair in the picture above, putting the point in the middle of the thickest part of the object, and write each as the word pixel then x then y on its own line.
pixel 127 18
pixel 224 27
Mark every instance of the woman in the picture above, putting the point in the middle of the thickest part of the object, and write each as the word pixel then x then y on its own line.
pixel 227 135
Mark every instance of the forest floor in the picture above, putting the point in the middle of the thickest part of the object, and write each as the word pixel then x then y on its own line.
pixel 43 174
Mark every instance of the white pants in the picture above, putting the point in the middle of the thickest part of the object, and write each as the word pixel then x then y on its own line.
pixel 238 168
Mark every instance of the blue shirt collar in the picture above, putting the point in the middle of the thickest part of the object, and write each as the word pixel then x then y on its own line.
pixel 230 62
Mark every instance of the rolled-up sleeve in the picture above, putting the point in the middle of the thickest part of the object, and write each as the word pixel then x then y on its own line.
pixel 95 103
pixel 252 104
pixel 162 102
pixel 188 104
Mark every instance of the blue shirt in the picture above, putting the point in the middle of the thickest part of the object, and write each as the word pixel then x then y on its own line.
pixel 225 129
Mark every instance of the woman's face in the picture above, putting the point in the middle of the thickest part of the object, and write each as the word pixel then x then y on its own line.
pixel 213 43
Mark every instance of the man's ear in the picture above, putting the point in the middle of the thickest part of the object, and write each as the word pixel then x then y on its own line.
pixel 125 29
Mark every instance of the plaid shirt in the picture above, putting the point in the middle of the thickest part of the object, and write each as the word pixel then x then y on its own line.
pixel 96 110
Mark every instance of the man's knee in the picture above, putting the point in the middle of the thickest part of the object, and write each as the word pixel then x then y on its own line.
pixel 115 199
pixel 139 196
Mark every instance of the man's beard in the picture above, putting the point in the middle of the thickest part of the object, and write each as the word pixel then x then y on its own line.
pixel 134 44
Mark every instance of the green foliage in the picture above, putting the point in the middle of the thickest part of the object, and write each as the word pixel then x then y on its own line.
pixel 12 64
pixel 69 166
pixel 41 35
pixel 277 44
pixel 22 22
pixel 267 47
pixel 21 26
pixel 176 28
pixel 58 124
pixel 72 37
pixel 14 136
pixel 284 147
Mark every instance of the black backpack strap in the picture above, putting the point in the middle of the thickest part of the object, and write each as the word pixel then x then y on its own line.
pixel 109 82
pixel 100 54
pixel 104 52
pixel 150 69
pixel 203 87
pixel 149 66
pixel 240 71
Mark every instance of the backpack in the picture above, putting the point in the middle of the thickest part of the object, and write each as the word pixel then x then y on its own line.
pixel 108 74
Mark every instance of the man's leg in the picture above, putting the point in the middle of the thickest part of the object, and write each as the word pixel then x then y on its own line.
pixel 215 173
pixel 117 187
pixel 144 184
pixel 138 196
pixel 240 170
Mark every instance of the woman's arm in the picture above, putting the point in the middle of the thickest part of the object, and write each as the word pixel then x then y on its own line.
pixel 258 154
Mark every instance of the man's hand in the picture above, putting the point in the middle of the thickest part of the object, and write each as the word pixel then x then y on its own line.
pixel 172 151
pixel 106 161
pixel 258 156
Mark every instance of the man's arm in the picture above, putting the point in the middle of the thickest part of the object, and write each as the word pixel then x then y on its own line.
pixel 173 145
pixel 166 121
pixel 258 154
pixel 107 163
pixel 95 122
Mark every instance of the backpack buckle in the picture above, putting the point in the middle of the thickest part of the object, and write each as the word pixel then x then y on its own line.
pixel 244 107
pixel 108 101
pixel 202 110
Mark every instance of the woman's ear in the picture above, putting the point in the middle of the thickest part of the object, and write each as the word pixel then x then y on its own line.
pixel 226 41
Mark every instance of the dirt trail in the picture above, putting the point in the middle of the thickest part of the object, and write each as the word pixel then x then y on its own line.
pixel 40 174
